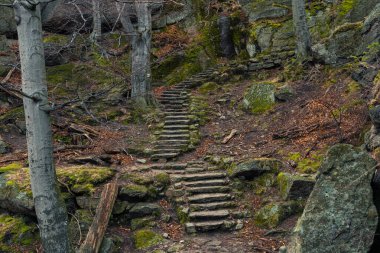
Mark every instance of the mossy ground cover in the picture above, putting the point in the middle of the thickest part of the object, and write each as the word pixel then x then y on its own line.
pixel 80 180
pixel 145 238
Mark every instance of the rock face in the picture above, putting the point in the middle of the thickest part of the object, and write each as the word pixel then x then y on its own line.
pixel 4 147
pixel 340 215
pixel 255 167
pixel 294 187
pixel 372 138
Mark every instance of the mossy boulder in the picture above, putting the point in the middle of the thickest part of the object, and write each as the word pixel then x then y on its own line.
pixel 15 232
pixel 255 167
pixel 145 238
pixel 259 98
pixel 340 215
pixel 271 215
pixel 133 192
pixel 294 187
pixel 16 193
pixel 143 222
pixel 144 209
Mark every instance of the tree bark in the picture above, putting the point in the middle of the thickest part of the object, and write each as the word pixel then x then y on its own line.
pixel 50 209
pixel 140 39
pixel 97 21
pixel 301 28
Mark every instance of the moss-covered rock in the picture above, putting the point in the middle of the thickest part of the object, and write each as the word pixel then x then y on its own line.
pixel 143 222
pixel 259 98
pixel 133 192
pixel 16 193
pixel 294 187
pixel 255 167
pixel 145 238
pixel 271 215
pixel 15 231
pixel 144 209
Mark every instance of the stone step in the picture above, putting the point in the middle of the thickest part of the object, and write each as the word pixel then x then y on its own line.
pixel 177 131
pixel 179 113
pixel 175 117
pixel 205 226
pixel 164 156
pixel 212 206
pixel 177 122
pixel 176 172
pixel 169 110
pixel 171 146
pixel 174 94
pixel 166 150
pixel 214 182
pixel 209 197
pixel 203 176
pixel 174 137
pixel 176 127
pixel 170 142
pixel 208 189
pixel 209 215
pixel 170 166
pixel 194 170
pixel 192 227
pixel 167 103
pixel 197 162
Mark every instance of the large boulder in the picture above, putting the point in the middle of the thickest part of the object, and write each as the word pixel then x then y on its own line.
pixel 339 215
pixel 259 98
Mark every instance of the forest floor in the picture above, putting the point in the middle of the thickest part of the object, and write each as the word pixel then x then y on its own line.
pixel 326 108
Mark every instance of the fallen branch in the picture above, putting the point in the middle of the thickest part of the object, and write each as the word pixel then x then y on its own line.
pixel 98 227
pixel 230 136
pixel 70 147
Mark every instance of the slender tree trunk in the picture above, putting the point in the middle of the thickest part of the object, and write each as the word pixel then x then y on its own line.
pixel 97 21
pixel 50 209
pixel 301 28
pixel 141 45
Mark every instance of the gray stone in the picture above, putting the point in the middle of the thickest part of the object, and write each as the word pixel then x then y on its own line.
pixel 264 37
pixel 267 12
pixel 144 209
pixel 255 167
pixel 4 147
pixel 86 202
pixel 284 93
pixel 107 246
pixel 339 215
pixel 372 138
pixel 7 21
pixel 294 187
pixel 133 192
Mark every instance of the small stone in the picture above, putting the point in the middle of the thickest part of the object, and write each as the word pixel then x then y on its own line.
pixel 239 225
pixel 143 161
pixel 144 209
pixel 166 235
pixel 133 192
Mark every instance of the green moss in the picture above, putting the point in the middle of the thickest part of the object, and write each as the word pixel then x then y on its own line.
pixel 162 179
pixel 182 215
pixel 347 27
pixel 80 179
pixel 353 87
pixel 262 183
pixel 208 87
pixel 271 215
pixel 346 6
pixel 11 166
pixel 137 178
pixel 60 74
pixel 56 38
pixel 14 230
pixel 259 98
pixel 145 238
pixel 306 165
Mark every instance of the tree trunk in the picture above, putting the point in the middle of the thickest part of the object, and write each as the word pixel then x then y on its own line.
pixel 50 208
pixel 301 28
pixel 226 42
pixel 141 45
pixel 97 21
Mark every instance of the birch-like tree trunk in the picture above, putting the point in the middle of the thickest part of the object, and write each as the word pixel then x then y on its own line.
pixel 301 28
pixel 49 207
pixel 140 38
pixel 97 21
pixel 141 46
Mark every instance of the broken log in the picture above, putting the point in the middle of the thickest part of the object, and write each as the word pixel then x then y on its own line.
pixel 230 136
pixel 98 227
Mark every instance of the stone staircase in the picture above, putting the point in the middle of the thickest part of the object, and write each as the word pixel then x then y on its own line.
pixel 175 135
pixel 203 197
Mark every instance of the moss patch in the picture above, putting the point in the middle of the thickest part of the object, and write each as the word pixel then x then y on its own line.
pixel 9 167
pixel 80 179
pixel 259 98
pixel 208 87
pixel 306 165
pixel 145 238
pixel 14 230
